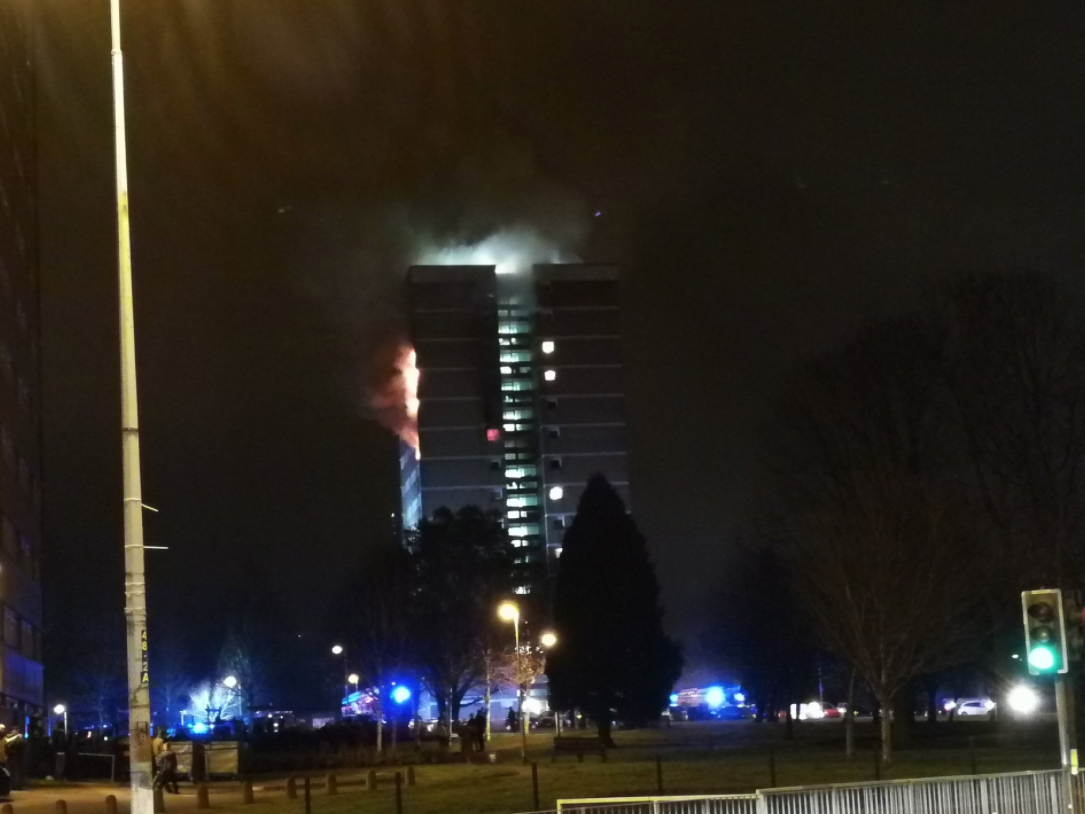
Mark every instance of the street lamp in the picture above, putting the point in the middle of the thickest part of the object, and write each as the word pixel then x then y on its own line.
pixel 60 709
pixel 230 682
pixel 510 612
pixel 354 678
pixel 548 639
pixel 337 650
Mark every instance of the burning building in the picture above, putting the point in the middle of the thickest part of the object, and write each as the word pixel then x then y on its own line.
pixel 519 398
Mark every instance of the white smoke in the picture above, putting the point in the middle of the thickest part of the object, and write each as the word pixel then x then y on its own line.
pixel 510 251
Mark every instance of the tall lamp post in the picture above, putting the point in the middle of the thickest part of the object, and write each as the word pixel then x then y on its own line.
pixel 338 650
pixel 510 612
pixel 549 640
pixel 62 710
pixel 135 587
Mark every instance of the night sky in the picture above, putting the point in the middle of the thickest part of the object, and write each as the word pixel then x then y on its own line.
pixel 768 174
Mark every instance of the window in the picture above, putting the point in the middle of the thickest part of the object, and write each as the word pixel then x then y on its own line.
pixel 525 530
pixel 555 463
pixel 517 327
pixel 11 628
pixel 516 385
pixel 27 637
pixel 526 500
pixel 548 347
pixel 495 466
pixel 553 432
pixel 516 514
pixel 499 494
pixel 557 552
pixel 559 523
pixel 493 434
pixel 556 493
pixel 523 589
pixel 518 415
pixel 520 472
pixel 509 356
pixel 506 370
pixel 550 375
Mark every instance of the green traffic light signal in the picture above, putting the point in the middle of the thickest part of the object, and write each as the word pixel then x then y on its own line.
pixel 1042 658
pixel 1045 631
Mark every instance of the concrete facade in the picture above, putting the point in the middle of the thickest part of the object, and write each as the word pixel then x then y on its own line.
pixel 21 693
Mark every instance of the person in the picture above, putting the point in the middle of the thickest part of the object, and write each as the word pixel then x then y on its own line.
pixel 480 731
pixel 510 722
pixel 158 745
pixel 167 769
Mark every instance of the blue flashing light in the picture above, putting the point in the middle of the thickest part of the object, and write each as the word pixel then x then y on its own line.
pixel 674 698
pixel 199 728
pixel 739 697
pixel 401 694
pixel 714 696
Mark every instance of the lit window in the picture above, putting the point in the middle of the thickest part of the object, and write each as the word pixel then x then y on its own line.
pixel 557 552
pixel 548 347
pixel 506 370
pixel 556 493
pixel 523 589
pixel 516 515
pixel 517 543
pixel 550 375
pixel 493 434
pixel 518 531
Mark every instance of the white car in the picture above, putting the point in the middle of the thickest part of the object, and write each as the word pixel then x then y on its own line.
pixel 971 707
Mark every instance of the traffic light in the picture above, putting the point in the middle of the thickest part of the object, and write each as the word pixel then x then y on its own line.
pixel 1045 631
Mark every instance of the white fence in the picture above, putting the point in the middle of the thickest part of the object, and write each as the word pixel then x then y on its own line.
pixel 1051 792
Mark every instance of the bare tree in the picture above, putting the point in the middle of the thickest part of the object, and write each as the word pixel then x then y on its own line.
pixel 869 503
pixel 379 612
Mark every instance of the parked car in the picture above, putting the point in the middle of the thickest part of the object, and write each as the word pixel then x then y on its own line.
pixel 831 711
pixel 678 713
pixel 973 707
pixel 732 713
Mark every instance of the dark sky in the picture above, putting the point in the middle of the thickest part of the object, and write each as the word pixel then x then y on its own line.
pixel 768 174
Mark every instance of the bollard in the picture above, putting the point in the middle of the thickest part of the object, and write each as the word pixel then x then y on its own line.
pixel 772 767
pixel 972 753
pixel 159 801
pixel 291 788
pixel 246 793
pixel 308 799
pixel 61 807
pixel 371 780
pixel 535 785
pixel 410 776
pixel 399 793
pixel 203 798
pixel 659 774
pixel 110 805
pixel 332 785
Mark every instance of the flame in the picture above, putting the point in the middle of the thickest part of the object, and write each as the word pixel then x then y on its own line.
pixel 393 397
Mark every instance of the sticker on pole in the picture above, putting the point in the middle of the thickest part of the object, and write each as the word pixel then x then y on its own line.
pixel 144 675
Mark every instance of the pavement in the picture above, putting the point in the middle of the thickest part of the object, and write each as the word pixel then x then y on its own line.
pixel 89 798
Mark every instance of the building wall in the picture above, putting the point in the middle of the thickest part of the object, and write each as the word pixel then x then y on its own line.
pixel 581 397
pixel 20 391
pixel 521 391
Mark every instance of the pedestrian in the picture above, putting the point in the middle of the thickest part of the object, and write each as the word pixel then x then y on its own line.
pixel 167 769
pixel 510 722
pixel 158 745
pixel 480 731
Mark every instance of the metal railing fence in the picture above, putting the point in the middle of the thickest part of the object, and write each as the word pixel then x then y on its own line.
pixel 1046 792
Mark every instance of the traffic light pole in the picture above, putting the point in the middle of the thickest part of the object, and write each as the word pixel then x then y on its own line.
pixel 1064 707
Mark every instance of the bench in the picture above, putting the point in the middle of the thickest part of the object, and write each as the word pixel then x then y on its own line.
pixel 579 747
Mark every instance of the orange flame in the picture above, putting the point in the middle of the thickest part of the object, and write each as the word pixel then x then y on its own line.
pixel 394 395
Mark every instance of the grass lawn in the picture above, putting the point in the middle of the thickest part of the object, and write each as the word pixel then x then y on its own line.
pixel 718 757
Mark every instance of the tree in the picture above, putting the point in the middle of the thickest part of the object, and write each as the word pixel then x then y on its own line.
pixel 613 657
pixel 378 611
pixel 101 680
pixel 869 500
pixel 759 631
pixel 171 679
pixel 460 570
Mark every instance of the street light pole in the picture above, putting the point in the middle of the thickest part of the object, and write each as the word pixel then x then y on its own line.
pixel 135 586
pixel 520 682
